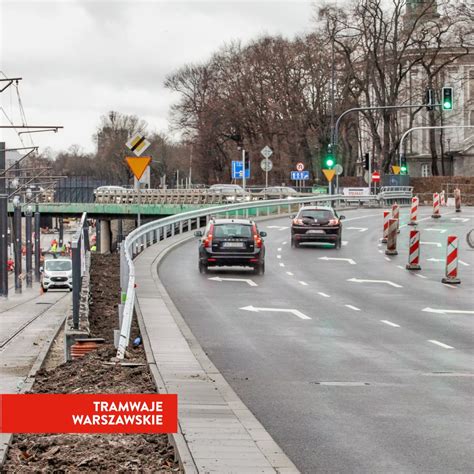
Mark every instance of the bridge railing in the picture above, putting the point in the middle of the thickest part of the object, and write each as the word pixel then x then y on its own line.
pixel 155 231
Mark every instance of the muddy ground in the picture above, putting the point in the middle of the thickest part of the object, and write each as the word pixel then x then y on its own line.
pixel 94 374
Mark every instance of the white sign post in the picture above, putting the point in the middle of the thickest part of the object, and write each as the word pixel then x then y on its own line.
pixel 266 164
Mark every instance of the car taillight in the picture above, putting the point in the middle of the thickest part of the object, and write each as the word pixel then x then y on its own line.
pixel 256 238
pixel 298 221
pixel 208 239
pixel 333 221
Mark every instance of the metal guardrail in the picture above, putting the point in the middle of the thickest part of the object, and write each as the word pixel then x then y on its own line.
pixel 79 247
pixel 153 232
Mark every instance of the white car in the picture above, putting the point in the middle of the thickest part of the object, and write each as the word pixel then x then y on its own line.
pixel 231 192
pixel 57 273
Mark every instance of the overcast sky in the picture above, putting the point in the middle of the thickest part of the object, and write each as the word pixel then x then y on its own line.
pixel 80 59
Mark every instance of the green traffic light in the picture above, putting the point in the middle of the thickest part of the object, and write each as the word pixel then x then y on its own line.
pixel 329 162
pixel 447 105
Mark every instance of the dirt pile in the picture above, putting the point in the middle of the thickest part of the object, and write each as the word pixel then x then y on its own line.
pixel 96 374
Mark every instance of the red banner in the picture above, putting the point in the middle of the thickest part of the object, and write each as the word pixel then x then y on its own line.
pixel 90 413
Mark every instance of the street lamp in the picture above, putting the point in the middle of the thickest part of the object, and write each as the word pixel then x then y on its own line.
pixel 17 242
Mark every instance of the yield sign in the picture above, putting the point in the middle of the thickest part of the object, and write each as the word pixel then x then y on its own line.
pixel 138 164
pixel 375 176
pixel 329 174
pixel 396 169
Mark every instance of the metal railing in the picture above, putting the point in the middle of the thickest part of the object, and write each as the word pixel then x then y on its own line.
pixel 79 247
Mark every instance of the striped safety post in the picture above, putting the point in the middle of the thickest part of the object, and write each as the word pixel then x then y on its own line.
pixel 386 217
pixel 436 212
pixel 414 210
pixel 457 199
pixel 452 261
pixel 392 237
pixel 396 215
pixel 442 199
pixel 414 251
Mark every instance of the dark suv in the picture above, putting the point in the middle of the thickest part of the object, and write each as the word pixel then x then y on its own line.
pixel 231 242
pixel 316 224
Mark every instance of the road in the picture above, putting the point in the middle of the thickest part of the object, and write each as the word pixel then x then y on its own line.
pixel 374 381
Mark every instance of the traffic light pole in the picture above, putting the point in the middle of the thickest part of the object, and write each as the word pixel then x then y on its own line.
pixel 243 168
pixel 402 140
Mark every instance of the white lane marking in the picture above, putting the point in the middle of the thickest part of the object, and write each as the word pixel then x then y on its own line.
pixel 399 266
pixel 462 219
pixel 361 217
pixel 442 231
pixel 355 308
pixel 454 287
pixel 290 274
pixel 380 245
pixel 248 281
pixel 279 249
pixel 464 263
pixel 276 310
pixel 279 227
pixel 435 259
pixel 441 344
pixel 349 260
pixel 360 229
pixel 447 311
pixel 278 256
pixel 420 276
pixel 389 323
pixel 380 251
pixel 282 264
pixel 345 242
pixel 386 282
pixel 323 294
pixel 426 218
pixel 437 244
pixel 284 243
pixel 303 283
pixel 388 259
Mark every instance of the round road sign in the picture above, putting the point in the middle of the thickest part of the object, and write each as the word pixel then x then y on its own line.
pixel 299 166
pixel 266 164
pixel 338 169
pixel 375 177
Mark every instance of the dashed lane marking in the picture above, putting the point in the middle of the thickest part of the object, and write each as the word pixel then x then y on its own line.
pixel 278 256
pixel 440 344
pixel 279 249
pixel 284 243
pixel 303 283
pixel 323 294
pixel 355 308
pixel 420 276
pixel 290 274
pixel 388 259
pixel 399 266
pixel 282 264
pixel 389 323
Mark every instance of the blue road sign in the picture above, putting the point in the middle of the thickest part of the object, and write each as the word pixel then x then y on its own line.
pixel 299 175
pixel 237 170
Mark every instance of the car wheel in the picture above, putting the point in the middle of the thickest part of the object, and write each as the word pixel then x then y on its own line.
pixel 70 289
pixel 202 268
pixel 45 289
pixel 294 243
pixel 339 242
pixel 260 269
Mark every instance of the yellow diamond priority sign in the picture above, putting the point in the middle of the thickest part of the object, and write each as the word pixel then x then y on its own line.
pixel 396 169
pixel 329 174
pixel 138 164
pixel 138 144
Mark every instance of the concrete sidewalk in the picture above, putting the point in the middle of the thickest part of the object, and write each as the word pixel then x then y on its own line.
pixel 220 433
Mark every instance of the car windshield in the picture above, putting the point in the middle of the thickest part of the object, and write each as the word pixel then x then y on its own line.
pixel 232 230
pixel 58 265
pixel 318 214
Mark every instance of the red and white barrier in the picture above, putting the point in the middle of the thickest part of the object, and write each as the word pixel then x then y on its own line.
pixel 386 217
pixel 457 199
pixel 396 215
pixel 392 237
pixel 442 199
pixel 414 211
pixel 436 212
pixel 414 251
pixel 452 261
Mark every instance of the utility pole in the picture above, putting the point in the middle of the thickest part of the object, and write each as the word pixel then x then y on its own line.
pixel 37 244
pixel 29 219
pixel 17 242
pixel 243 168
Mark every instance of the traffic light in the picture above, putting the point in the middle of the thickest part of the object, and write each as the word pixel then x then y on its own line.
pixel 403 165
pixel 329 161
pixel 447 97
pixel 367 161
pixel 429 99
pixel 246 160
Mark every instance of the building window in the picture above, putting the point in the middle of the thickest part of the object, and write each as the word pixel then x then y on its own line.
pixel 425 170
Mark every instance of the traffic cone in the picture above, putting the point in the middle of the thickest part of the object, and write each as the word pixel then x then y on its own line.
pixel 457 199
pixel 452 261
pixel 414 211
pixel 386 217
pixel 436 213
pixel 392 237
pixel 396 215
pixel 414 251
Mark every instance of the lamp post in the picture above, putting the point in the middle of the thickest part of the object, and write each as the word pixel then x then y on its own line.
pixel 17 246
pixel 37 244
pixel 3 225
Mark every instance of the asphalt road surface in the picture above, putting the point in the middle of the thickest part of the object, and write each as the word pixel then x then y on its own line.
pixel 363 376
